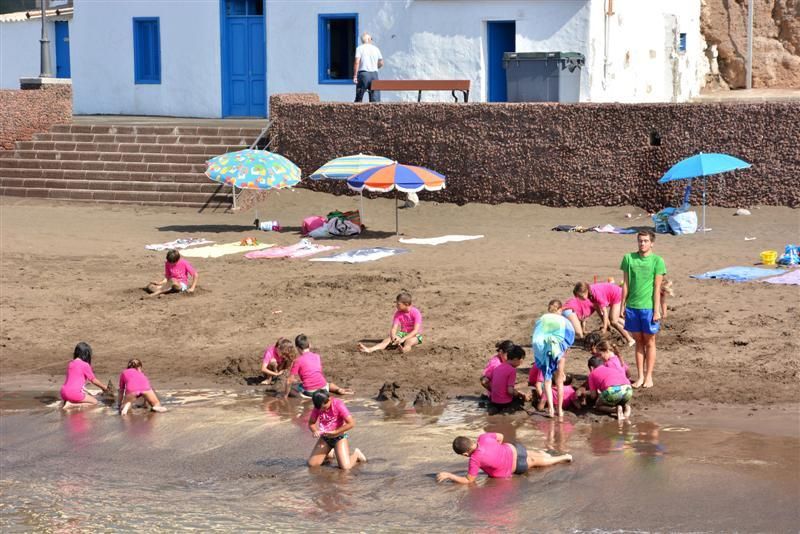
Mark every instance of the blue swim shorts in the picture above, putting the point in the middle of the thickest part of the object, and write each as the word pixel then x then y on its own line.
pixel 640 321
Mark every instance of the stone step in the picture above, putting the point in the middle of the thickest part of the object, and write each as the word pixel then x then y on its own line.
pixel 112 156
pixel 232 140
pixel 208 188
pixel 143 148
pixel 131 166
pixel 207 131
pixel 67 175
pixel 130 197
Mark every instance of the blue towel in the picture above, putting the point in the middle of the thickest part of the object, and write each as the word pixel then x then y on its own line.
pixel 736 274
pixel 552 336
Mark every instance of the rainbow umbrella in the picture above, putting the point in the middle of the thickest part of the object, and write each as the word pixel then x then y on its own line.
pixel 405 178
pixel 347 166
pixel 253 169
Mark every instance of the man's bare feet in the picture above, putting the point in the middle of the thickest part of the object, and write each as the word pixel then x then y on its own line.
pixel 648 383
pixel 360 456
pixel 638 383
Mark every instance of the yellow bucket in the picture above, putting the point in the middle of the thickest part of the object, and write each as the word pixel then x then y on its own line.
pixel 768 257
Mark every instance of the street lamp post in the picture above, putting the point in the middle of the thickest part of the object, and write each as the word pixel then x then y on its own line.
pixel 45 62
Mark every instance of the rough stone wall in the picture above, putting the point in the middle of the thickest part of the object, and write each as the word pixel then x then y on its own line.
pixel 553 154
pixel 776 40
pixel 25 112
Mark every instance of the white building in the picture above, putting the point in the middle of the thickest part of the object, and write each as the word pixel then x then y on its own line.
pixel 222 58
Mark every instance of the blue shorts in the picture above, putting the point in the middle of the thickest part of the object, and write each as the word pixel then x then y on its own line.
pixel 640 321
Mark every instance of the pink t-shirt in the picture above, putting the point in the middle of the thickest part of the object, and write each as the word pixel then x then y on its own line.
pixel 603 377
pixel 503 376
pixel 491 365
pixel 407 320
pixel 179 270
pixel 496 459
pixel 535 375
pixel 78 373
pixel 272 354
pixel 605 294
pixel 309 368
pixel 332 418
pixel 615 362
pixel 582 307
pixel 569 395
pixel 133 381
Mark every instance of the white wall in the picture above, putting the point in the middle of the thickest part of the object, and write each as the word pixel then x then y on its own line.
pixel 101 38
pixel 19 50
pixel 433 39
pixel 643 63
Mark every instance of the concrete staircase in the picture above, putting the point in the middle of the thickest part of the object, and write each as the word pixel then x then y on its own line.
pixel 123 164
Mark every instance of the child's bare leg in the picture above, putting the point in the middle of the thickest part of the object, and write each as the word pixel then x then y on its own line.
pixel 576 324
pixel 540 392
pixel 639 339
pixel 379 346
pixel 649 342
pixel 152 287
pixel 272 366
pixel 548 393
pixel 345 458
pixel 158 289
pixel 627 411
pixel 619 325
pixel 538 458
pixel 152 399
pixel 318 453
pixel 125 403
pixel 333 388
pixel 408 343
pixel 560 376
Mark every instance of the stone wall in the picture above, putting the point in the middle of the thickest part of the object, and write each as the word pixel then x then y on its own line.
pixel 553 154
pixel 25 112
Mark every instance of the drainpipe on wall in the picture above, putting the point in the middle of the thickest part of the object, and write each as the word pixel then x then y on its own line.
pixel 606 32
pixel 749 60
pixel 44 54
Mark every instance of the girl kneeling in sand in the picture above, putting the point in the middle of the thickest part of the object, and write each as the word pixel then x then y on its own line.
pixel 330 421
pixel 79 371
pixel 134 384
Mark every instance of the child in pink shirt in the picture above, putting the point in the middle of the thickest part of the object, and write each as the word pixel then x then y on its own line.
pixel 578 308
pixel 278 358
pixel 609 386
pixel 79 371
pixel 497 459
pixel 306 372
pixel 504 397
pixel 176 276
pixel 330 421
pixel 133 384
pixel 607 300
pixel 502 355
pixel 406 328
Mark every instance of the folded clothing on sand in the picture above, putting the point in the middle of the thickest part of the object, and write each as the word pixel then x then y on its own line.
pixel 736 274
pixel 179 244
pixel 216 251
pixel 790 278
pixel 605 229
pixel 361 255
pixel 437 240
pixel 299 250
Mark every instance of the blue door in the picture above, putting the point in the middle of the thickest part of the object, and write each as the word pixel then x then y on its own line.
pixel 500 38
pixel 62 49
pixel 244 61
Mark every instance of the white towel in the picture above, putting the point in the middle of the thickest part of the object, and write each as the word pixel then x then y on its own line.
pixel 438 240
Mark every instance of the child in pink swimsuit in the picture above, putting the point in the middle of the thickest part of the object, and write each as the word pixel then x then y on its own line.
pixel 497 459
pixel 79 371
pixel 176 276
pixel 133 384
pixel 494 362
pixel 278 358
pixel 330 420
pixel 406 331
pixel 305 375
pixel 607 300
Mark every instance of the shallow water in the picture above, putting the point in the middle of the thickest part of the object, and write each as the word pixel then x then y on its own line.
pixel 236 461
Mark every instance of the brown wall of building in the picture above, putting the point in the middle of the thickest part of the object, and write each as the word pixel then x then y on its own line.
pixel 553 154
pixel 25 112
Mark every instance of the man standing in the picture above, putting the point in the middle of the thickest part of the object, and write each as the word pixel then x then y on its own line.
pixel 368 61
pixel 641 296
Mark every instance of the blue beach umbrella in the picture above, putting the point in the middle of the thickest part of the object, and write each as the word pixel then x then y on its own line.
pixel 700 166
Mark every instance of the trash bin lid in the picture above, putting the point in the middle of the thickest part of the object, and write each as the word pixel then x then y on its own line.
pixel 541 56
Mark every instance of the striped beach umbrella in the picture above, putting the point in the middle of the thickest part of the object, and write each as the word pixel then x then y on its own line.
pixel 405 178
pixel 253 169
pixel 347 166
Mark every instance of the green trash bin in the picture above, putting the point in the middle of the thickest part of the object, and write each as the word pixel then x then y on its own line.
pixel 543 76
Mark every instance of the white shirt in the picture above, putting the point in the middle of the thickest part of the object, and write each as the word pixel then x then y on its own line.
pixel 368 56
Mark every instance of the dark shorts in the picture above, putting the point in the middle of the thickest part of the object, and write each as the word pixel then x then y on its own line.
pixel 640 321
pixel 508 407
pixel 522 459
pixel 331 442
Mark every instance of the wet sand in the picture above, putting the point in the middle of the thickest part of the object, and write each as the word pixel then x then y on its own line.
pixel 234 460
pixel 73 272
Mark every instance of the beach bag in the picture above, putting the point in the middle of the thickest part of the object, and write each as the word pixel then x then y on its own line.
pixel 312 223
pixel 661 220
pixel 353 216
pixel 683 222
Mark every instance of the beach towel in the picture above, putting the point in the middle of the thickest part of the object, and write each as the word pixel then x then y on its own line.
pixel 437 240
pixel 179 244
pixel 215 251
pixel 361 255
pixel 299 250
pixel 552 335
pixel 736 274
pixel 569 228
pixel 790 278
pixel 611 229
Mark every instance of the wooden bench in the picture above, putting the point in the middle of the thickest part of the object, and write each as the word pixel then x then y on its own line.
pixel 461 86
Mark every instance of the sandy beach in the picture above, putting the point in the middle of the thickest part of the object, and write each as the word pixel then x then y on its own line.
pixel 73 272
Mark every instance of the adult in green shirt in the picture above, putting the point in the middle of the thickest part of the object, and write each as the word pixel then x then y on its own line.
pixel 643 272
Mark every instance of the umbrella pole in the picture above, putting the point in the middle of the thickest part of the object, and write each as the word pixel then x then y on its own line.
pixel 233 192
pixel 396 215
pixel 704 205
pixel 361 208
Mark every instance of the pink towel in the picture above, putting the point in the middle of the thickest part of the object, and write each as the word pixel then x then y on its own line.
pixel 790 278
pixel 298 250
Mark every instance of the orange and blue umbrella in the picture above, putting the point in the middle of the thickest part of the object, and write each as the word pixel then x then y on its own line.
pixel 405 178
pixel 253 169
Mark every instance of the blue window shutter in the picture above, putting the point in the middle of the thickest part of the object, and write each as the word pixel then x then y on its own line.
pixel 146 50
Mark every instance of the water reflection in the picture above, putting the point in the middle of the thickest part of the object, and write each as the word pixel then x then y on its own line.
pixel 641 439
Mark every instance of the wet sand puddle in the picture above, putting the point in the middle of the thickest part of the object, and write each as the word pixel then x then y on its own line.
pixel 236 461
